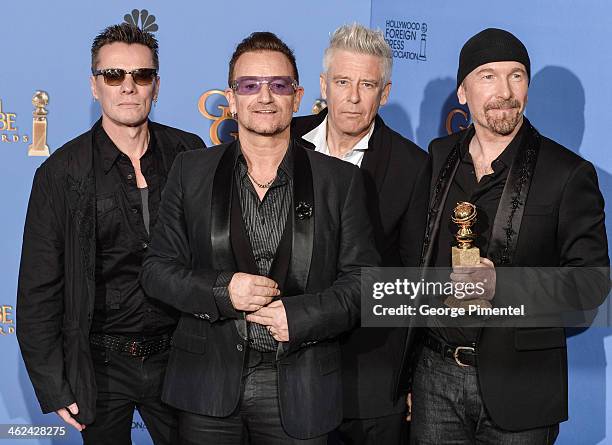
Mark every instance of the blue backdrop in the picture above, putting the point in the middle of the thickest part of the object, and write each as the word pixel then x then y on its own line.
pixel 46 47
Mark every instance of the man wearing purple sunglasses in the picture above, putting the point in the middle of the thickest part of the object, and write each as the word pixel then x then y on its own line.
pixel 259 244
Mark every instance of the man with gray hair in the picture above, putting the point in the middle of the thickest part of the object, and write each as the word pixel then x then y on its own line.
pixel 355 82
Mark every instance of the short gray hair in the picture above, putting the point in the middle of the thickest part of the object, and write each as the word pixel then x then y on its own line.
pixel 360 39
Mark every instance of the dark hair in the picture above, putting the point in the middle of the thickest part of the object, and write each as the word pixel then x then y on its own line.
pixel 124 33
pixel 261 41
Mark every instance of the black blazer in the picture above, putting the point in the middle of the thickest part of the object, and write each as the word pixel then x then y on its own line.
pixel 555 219
pixel 56 288
pixel 396 174
pixel 191 244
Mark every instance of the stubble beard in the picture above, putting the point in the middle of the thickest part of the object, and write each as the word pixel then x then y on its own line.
pixel 266 131
pixel 507 123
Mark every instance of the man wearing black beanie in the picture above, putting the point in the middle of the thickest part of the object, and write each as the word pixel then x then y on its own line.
pixel 538 205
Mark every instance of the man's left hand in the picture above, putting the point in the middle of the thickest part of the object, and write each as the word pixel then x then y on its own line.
pixel 274 317
pixel 483 273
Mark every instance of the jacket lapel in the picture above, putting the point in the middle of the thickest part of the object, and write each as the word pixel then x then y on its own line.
pixel 376 158
pixel 241 246
pixel 171 147
pixel 507 224
pixel 438 198
pixel 220 215
pixel 303 216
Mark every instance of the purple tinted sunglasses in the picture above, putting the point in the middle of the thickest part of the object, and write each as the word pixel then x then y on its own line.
pixel 283 85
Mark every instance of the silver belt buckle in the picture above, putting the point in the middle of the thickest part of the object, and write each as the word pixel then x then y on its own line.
pixel 456 354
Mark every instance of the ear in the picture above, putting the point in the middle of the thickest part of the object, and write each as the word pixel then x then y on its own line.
pixel 231 100
pixel 385 94
pixel 461 94
pixel 92 86
pixel 297 98
pixel 323 85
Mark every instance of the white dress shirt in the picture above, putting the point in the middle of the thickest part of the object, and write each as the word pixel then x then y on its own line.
pixel 318 137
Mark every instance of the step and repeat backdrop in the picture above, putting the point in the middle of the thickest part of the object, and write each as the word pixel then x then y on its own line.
pixel 45 100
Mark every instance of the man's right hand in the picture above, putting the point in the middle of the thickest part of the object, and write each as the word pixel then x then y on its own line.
pixel 67 413
pixel 251 292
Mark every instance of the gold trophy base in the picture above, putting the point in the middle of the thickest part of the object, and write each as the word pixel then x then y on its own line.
pixel 465 257
pixel 38 152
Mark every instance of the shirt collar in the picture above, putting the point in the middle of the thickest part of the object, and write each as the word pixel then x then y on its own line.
pixel 286 165
pixel 318 137
pixel 109 153
pixel 505 158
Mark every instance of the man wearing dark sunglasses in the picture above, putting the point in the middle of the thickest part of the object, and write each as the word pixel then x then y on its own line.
pixel 259 244
pixel 94 345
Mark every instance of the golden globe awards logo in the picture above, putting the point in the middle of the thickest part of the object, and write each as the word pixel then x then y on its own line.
pixel 456 120
pixel 218 119
pixel 9 132
pixel 7 324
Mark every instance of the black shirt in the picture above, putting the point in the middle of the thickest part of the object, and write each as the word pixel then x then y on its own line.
pixel 121 307
pixel 485 195
pixel 264 221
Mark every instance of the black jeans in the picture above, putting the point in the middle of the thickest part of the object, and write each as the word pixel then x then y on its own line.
pixel 256 420
pixel 124 383
pixel 447 408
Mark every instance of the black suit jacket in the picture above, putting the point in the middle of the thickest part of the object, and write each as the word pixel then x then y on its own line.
pixel 56 289
pixel 191 244
pixel 396 174
pixel 556 221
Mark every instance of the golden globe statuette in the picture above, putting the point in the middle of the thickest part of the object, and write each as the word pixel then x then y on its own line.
pixel 318 106
pixel 39 146
pixel 465 254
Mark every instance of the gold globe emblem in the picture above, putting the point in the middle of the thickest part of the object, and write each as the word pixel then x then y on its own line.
pixel 464 215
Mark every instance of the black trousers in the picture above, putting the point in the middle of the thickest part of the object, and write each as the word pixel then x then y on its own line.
pixel 257 419
pixel 126 383
pixel 387 430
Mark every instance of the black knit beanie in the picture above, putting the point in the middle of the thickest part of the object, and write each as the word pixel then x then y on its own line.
pixel 491 45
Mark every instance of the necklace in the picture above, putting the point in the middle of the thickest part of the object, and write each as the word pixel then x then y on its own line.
pixel 263 186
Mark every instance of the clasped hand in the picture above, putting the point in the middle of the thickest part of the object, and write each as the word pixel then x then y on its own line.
pixel 255 294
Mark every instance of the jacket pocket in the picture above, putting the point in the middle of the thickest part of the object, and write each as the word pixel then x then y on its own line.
pixel 533 339
pixel 195 344
pixel 105 204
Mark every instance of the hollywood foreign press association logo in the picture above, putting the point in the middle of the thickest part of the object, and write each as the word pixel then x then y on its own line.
pixel 146 20
pixel 407 39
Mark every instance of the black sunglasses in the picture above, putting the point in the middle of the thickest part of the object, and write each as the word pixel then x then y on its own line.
pixel 115 76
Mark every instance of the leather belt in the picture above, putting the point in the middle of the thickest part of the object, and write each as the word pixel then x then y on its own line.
pixel 462 355
pixel 136 347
